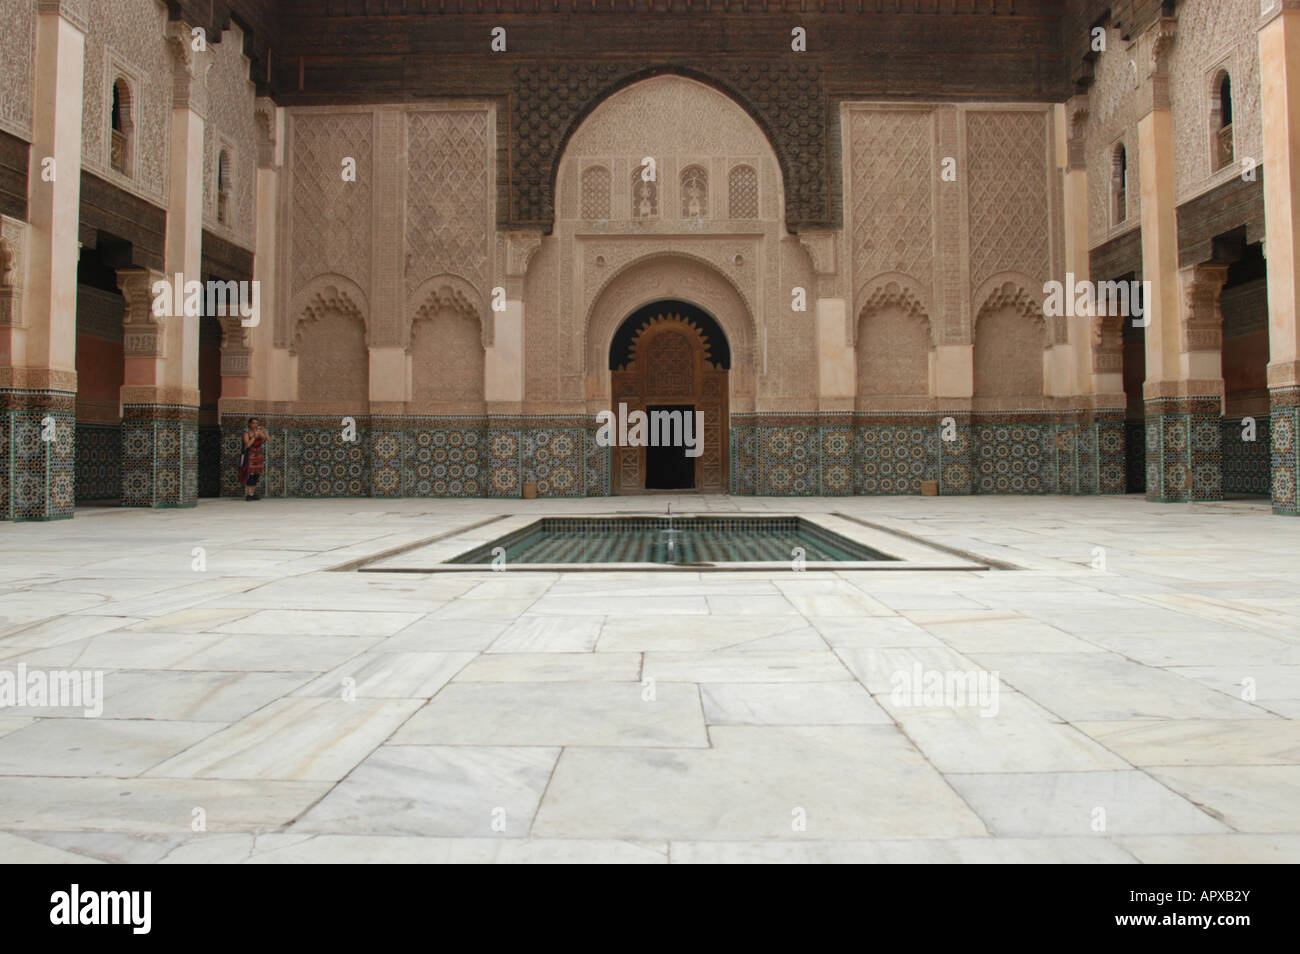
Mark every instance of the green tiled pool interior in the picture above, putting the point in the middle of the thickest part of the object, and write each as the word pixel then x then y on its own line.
pixel 694 540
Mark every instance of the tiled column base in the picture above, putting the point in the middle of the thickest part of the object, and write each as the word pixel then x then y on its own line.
pixel 1184 450
pixel 744 456
pixel 38 448
pixel 956 457
pixel 1070 446
pixel 1285 434
pixel 505 458
pixel 1110 466
pixel 835 439
pixel 160 455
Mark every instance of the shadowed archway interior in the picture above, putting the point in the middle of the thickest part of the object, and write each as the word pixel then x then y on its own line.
pixel 671 358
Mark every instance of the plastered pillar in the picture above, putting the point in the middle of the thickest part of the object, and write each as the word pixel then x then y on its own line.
pixel 1279 55
pixel 38 377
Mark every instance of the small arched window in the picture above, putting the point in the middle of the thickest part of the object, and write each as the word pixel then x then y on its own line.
pixel 121 135
pixel 223 187
pixel 695 193
pixel 1221 145
pixel 1119 185
pixel 645 195
pixel 742 193
pixel 595 192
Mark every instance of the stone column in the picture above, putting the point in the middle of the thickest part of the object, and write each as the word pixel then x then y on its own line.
pixel 38 370
pixel 837 370
pixel 503 372
pixel 1183 394
pixel 249 374
pixel 160 393
pixel 1096 341
pixel 1279 55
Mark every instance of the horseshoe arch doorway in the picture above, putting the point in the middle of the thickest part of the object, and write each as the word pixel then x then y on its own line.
pixel 671 356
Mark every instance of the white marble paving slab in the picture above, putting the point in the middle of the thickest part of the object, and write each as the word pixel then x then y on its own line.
pixel 645 632
pixel 151 804
pixel 1250 798
pixel 930 851
pixel 756 783
pixel 822 666
pixel 1104 686
pixel 553 667
pixel 784 703
pixel 389 676
pixel 96 747
pixel 320 623
pixel 1200 742
pixel 1070 804
pixel 549 634
pixel 295 739
pixel 267 653
pixel 566 713
pixel 463 791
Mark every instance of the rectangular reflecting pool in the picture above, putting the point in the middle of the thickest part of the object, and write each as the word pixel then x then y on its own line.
pixel 676 541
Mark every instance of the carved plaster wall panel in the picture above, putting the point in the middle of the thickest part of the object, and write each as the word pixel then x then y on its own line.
pixel 1007 152
pixel 448 197
pixel 891 182
pixel 1113 113
pixel 18 54
pixel 129 38
pixel 698 138
pixel 328 217
pixel 231 122
pixel 1213 34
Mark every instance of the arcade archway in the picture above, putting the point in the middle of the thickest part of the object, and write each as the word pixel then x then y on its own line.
pixel 670 362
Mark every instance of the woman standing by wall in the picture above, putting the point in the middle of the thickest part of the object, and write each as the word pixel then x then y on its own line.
pixel 253 461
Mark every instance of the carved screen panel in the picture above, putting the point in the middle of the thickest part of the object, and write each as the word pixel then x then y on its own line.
pixel 670 365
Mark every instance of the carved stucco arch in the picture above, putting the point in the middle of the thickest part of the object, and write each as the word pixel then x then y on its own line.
pixel 326 293
pixel 448 292
pixel 790 92
pixel 1014 290
pixel 670 276
pixel 893 290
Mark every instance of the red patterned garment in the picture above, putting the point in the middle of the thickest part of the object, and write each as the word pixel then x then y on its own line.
pixel 253 462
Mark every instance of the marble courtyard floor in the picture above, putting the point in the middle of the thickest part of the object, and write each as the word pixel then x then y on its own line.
pixel 1146 712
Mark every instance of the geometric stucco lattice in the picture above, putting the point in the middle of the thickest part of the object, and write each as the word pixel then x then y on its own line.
pixel 447 200
pixel 892 173
pixel 331 216
pixel 549 101
pixel 1008 194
